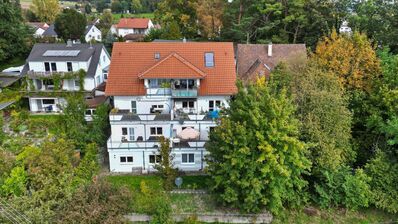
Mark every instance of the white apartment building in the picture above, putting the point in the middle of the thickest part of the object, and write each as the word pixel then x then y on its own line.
pixel 47 60
pixel 170 89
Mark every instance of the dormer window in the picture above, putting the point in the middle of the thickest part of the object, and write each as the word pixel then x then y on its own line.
pixel 209 59
pixel 157 55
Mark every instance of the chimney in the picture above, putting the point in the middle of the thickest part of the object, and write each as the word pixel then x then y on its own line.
pixel 184 40
pixel 69 43
pixel 270 49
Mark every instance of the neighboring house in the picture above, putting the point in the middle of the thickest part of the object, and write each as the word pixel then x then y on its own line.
pixel 48 64
pixel 170 89
pixel 92 33
pixel 132 26
pixel 254 60
pixel 38 28
pixel 344 28
pixel 50 32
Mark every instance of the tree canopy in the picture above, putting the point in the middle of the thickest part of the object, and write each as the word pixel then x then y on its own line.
pixel 256 158
pixel 70 24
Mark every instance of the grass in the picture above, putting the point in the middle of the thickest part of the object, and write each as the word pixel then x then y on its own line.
pixel 133 182
pixel 12 63
pixel 195 182
pixel 117 16
pixel 331 216
pixel 193 203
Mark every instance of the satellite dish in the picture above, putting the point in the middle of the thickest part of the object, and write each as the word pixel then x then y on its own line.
pixel 178 182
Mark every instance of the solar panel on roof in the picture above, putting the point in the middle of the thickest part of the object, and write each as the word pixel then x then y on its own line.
pixel 56 53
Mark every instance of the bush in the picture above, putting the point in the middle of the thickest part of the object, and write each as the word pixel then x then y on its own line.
pixel 162 212
pixel 342 187
pixel 384 178
pixel 97 203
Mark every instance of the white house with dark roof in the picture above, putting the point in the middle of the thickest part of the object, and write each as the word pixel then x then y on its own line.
pixel 47 61
pixel 92 33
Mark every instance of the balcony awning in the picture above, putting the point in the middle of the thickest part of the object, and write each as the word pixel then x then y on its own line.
pixel 172 67
pixel 189 134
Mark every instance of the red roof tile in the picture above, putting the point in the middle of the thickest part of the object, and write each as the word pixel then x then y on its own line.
pixel 172 67
pixel 133 23
pixel 130 60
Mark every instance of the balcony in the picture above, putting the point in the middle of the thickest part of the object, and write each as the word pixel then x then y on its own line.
pixel 151 143
pixel 184 93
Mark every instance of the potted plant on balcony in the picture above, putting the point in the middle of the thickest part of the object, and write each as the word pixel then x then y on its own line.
pixel 166 85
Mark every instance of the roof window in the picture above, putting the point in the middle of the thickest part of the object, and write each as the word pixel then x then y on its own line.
pixel 157 55
pixel 209 59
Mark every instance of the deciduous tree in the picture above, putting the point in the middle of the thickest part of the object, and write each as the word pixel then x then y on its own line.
pixel 70 24
pixel 209 14
pixel 165 167
pixel 256 158
pixel 46 10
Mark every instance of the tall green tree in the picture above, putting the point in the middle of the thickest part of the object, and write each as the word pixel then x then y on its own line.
pixel 14 34
pixel 181 12
pixel 166 167
pixel 256 158
pixel 46 10
pixel 70 24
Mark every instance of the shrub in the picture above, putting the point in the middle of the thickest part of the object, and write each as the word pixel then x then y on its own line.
pixel 383 171
pixel 343 187
pixel 96 203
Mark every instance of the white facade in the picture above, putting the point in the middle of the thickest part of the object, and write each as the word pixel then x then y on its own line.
pixel 37 69
pixel 137 121
pixel 125 31
pixel 93 34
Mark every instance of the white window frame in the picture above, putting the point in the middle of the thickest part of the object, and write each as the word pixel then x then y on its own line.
pixel 156 156
pixel 215 107
pixel 130 133
pixel 187 158
pixel 126 159
pixel 210 63
pixel 156 131
pixel 133 109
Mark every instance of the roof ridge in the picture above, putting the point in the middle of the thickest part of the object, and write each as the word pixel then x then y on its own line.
pixel 180 58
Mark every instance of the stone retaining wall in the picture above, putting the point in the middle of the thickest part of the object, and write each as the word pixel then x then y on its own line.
pixel 210 218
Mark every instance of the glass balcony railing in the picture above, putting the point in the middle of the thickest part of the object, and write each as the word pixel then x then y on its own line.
pixel 184 92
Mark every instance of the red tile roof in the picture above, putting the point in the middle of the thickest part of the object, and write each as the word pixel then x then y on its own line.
pixel 177 59
pixel 172 67
pixel 133 23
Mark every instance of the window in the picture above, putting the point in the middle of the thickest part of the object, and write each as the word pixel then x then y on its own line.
pixel 131 134
pixel 124 131
pixel 69 65
pixel 105 76
pixel 103 57
pixel 211 129
pixel 188 104
pixel 209 59
pixel 158 83
pixel 76 83
pixel 155 158
pixel 214 105
pixel 156 108
pixel 126 159
pixel 98 80
pixel 89 112
pixel 157 55
pixel 188 158
pixel 134 107
pixel 53 66
pixel 47 66
pixel 156 131
pixel 48 101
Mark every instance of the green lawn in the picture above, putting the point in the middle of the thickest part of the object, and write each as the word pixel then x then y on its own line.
pixel 117 16
pixel 331 216
pixel 195 182
pixel 133 182
pixel 193 203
